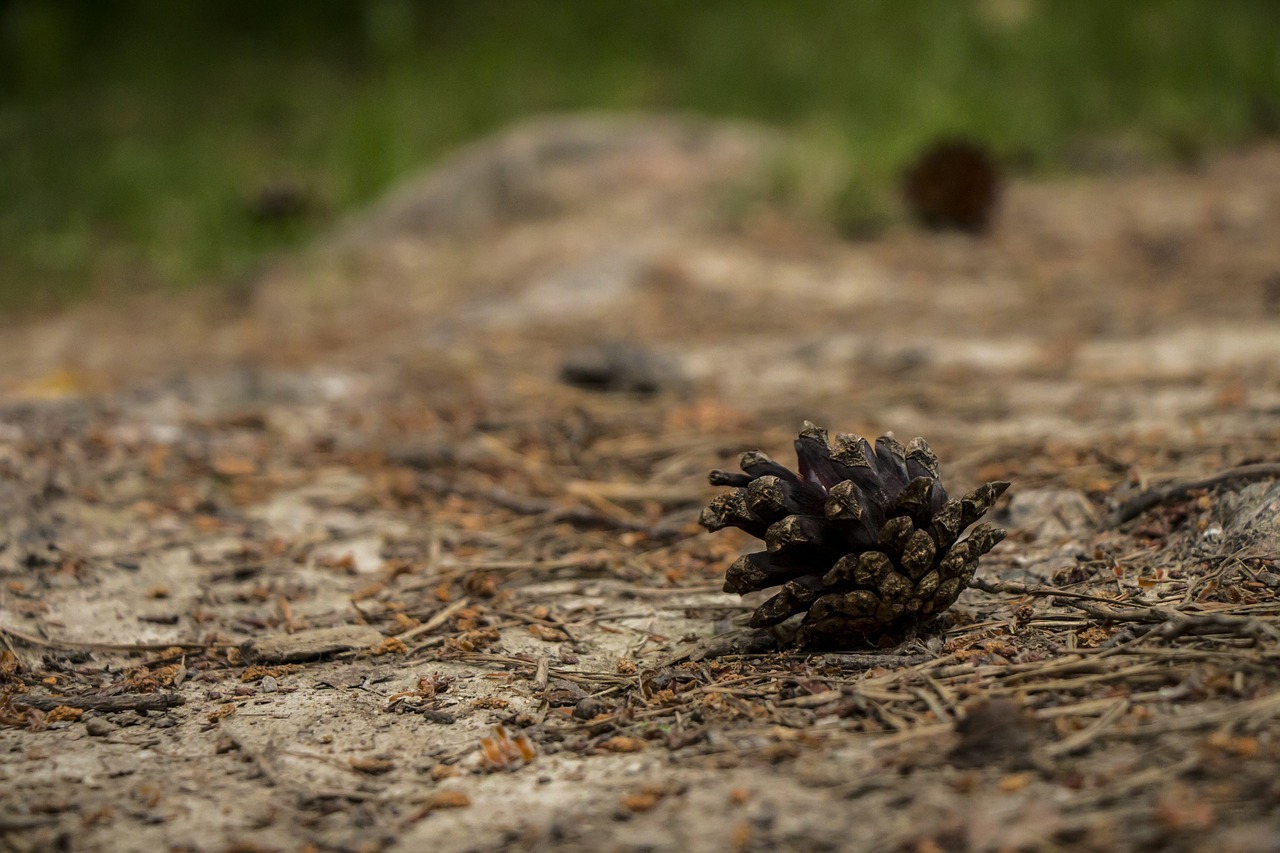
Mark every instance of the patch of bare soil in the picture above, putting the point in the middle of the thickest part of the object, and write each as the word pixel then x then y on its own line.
pixel 347 566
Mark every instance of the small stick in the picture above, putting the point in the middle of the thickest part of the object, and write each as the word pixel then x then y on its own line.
pixel 441 616
pixel 1086 736
pixel 549 622
pixel 1178 490
pixel 126 702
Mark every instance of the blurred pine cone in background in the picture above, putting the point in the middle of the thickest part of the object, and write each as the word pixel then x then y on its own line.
pixel 954 184
pixel 862 540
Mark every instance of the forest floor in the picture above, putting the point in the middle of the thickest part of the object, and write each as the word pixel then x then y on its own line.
pixel 339 562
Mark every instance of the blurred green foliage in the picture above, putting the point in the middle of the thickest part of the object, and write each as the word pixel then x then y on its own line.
pixel 137 136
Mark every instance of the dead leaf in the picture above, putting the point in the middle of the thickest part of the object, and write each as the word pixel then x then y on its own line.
pixel 621 743
pixel 548 634
pixel 390 645
pixel 441 800
pixel 372 766
pixel 63 712
pixel 1013 782
pixel 257 673
pixel 222 711
pixel 233 466
pixel 642 801
pixel 473 641
pixel 501 751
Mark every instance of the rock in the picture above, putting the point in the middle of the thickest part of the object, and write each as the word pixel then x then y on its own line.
pixel 619 368
pixel 1049 514
pixel 98 727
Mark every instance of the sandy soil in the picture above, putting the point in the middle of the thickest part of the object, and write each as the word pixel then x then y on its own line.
pixel 339 562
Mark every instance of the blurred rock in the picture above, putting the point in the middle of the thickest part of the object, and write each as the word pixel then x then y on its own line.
pixel 619 368
pixel 1048 514
pixel 955 183
pixel 280 201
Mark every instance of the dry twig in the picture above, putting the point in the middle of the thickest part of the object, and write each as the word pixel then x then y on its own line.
pixel 124 702
pixel 1178 490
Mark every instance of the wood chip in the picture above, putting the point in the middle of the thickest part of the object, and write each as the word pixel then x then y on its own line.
pixel 311 644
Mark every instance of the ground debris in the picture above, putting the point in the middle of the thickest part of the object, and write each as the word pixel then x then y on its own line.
pixel 206 566
pixel 500 751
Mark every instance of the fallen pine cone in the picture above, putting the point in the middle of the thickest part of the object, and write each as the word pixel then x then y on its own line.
pixel 955 183
pixel 863 540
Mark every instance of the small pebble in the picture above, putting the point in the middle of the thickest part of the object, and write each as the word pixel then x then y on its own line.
pixel 588 708
pixel 98 727
pixel 444 718
pixel 269 684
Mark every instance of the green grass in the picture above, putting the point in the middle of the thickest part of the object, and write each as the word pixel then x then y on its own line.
pixel 133 134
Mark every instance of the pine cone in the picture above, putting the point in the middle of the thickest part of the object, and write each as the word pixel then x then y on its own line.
pixel 954 184
pixel 862 540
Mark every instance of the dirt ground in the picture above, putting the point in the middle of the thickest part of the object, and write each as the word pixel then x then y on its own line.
pixel 339 562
